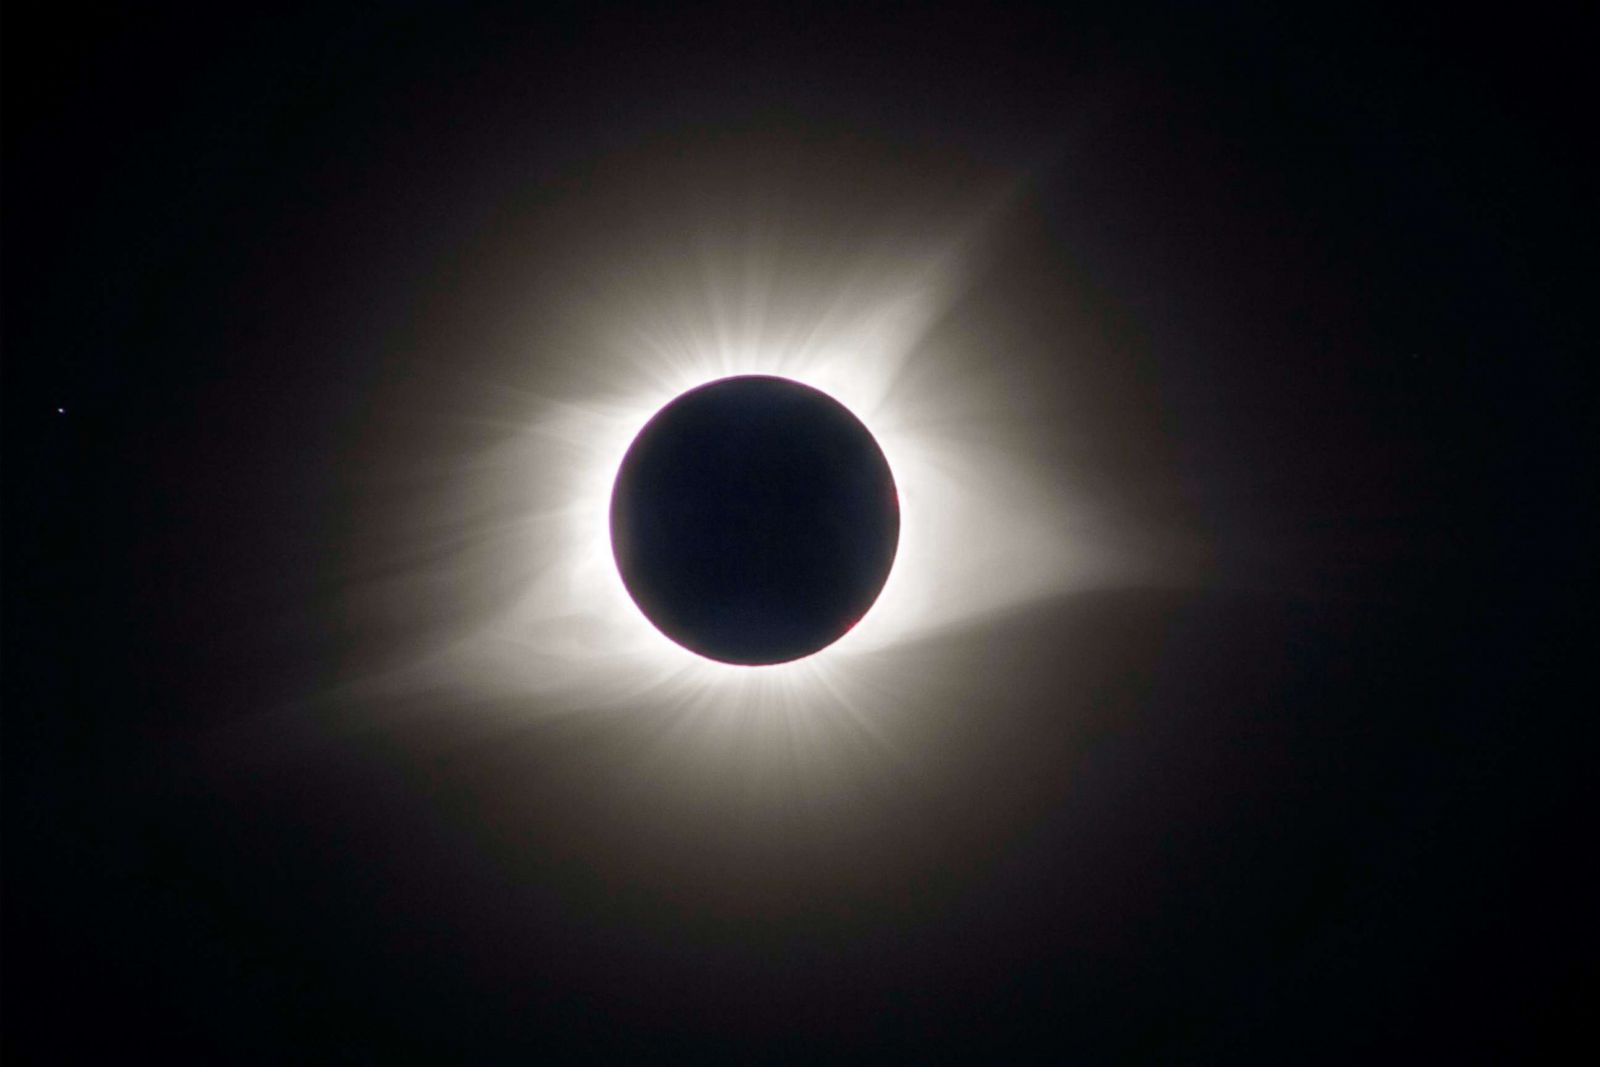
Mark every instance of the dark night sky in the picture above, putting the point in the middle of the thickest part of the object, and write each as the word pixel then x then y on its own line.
pixel 1322 804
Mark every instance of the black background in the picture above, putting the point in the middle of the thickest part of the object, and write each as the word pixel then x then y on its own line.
pixel 1323 807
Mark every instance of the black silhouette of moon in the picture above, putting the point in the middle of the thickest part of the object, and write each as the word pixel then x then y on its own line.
pixel 754 520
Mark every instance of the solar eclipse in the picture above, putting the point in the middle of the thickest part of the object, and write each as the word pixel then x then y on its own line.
pixel 992 532
pixel 754 520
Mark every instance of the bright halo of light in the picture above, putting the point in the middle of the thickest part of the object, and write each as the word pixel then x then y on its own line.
pixel 989 519
pixel 575 628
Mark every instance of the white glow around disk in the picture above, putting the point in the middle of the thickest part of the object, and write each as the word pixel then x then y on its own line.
pixel 989 519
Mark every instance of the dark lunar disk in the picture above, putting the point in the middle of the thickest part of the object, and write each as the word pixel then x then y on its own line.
pixel 754 520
